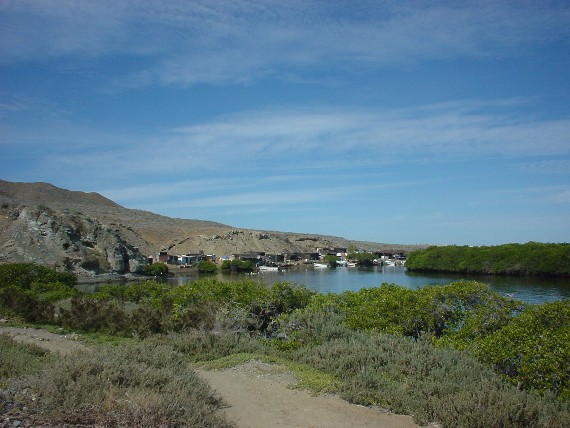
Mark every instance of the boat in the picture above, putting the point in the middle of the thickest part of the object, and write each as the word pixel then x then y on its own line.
pixel 268 268
pixel 320 265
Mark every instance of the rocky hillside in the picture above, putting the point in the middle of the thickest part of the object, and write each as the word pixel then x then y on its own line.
pixel 89 234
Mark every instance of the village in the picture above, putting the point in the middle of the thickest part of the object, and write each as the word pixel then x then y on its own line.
pixel 262 261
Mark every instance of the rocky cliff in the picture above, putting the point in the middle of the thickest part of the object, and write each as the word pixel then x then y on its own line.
pixel 89 234
pixel 67 241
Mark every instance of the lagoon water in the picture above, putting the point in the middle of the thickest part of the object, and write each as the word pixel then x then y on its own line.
pixel 528 289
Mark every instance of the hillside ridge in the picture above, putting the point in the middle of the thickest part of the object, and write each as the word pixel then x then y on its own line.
pixel 90 234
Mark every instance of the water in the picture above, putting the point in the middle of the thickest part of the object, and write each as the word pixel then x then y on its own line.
pixel 528 289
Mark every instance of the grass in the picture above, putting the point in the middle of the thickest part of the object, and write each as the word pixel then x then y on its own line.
pixel 18 359
pixel 307 377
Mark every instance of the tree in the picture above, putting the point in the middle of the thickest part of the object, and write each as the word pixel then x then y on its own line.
pixel 362 259
pixel 204 266
pixel 238 265
pixel 155 269
pixel 331 260
pixel 533 350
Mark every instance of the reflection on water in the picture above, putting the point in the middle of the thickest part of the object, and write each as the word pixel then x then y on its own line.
pixel 528 289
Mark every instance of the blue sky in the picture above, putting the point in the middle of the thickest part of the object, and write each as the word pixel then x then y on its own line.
pixel 441 122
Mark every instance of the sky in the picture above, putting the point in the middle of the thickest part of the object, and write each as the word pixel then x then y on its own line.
pixel 416 122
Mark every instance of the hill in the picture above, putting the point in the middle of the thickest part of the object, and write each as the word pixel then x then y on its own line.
pixel 89 234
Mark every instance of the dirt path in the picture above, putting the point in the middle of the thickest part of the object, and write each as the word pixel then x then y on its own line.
pixel 64 344
pixel 257 393
pixel 258 396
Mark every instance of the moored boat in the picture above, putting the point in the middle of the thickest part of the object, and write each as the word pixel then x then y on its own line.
pixel 268 268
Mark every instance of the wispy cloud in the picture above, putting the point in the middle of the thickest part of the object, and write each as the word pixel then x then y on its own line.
pixel 239 41
pixel 549 166
pixel 295 140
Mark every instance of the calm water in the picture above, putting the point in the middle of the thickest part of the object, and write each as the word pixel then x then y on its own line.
pixel 532 290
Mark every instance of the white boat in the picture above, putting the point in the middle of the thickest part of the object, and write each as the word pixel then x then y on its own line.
pixel 320 265
pixel 268 268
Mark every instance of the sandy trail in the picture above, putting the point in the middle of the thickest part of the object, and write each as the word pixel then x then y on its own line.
pixel 257 393
pixel 64 344
pixel 258 396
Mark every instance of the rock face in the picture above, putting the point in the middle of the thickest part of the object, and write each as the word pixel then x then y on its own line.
pixel 67 241
pixel 88 234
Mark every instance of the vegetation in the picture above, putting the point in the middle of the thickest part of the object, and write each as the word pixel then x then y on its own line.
pixel 140 385
pixel 17 359
pixel 238 265
pixel 28 290
pixel 533 349
pixel 205 266
pixel 24 275
pixel 531 258
pixel 362 259
pixel 330 260
pixel 439 353
pixel 155 269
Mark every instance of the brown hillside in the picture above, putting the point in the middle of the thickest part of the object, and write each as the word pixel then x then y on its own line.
pixel 88 233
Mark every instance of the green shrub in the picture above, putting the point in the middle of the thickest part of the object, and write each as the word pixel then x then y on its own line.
pixel 533 349
pixel 205 266
pixel 18 359
pixel 200 345
pixel 155 269
pixel 330 260
pixel 52 291
pixel 532 258
pixel 362 259
pixel 21 303
pixel 142 385
pixel 23 275
pixel 285 296
pixel 92 315
pixel 145 291
pixel 87 314
pixel 413 377
pixel 193 316
pixel 238 265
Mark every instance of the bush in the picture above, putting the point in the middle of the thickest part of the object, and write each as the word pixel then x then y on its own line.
pixel 113 318
pixel 205 266
pixel 331 260
pixel 92 315
pixel 52 291
pixel 532 258
pixel 146 291
pixel 21 303
pixel 143 385
pixel 533 350
pixel 238 265
pixel 18 359
pixel 286 297
pixel 23 275
pixel 155 269
pixel 362 259
pixel 413 377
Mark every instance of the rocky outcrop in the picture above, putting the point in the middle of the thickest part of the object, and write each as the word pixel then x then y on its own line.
pixel 67 241
pixel 89 234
